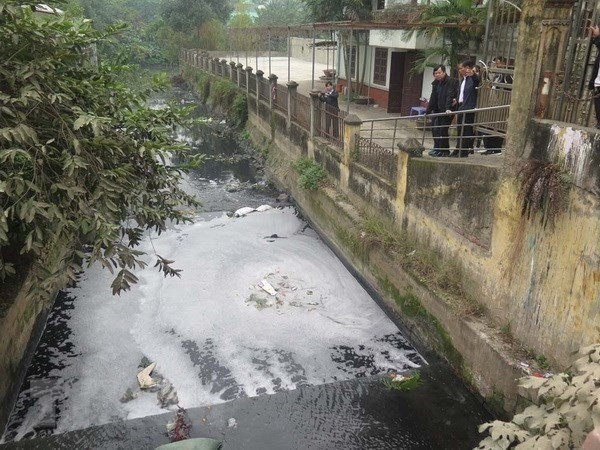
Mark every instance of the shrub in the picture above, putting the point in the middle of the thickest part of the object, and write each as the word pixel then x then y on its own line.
pixel 83 160
pixel 311 174
pixel 565 408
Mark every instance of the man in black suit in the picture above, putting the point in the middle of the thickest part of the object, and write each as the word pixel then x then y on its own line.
pixel 443 99
pixel 467 99
pixel 330 97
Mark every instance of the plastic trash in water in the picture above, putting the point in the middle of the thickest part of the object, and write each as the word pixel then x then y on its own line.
pixel 144 379
pixel 243 211
pixel 262 208
pixel 232 423
pixel 266 286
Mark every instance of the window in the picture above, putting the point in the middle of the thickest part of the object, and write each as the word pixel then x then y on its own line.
pixel 380 69
pixel 351 60
pixel 380 4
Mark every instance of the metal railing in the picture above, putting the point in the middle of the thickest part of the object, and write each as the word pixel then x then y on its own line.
pixel 466 129
pixel 330 125
pixel 300 110
pixel 377 158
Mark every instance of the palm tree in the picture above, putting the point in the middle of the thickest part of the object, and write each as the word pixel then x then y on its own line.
pixel 454 24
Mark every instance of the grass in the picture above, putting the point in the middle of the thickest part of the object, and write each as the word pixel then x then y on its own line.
pixel 425 265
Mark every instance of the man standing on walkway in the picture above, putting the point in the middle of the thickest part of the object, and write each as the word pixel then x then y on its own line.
pixel 443 99
pixel 330 97
pixel 467 99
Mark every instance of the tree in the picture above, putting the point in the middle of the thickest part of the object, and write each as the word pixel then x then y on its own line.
pixel 453 40
pixel 189 15
pixel 331 11
pixel 281 12
pixel 84 163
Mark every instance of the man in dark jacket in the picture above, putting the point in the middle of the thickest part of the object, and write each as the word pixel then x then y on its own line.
pixel 594 84
pixel 467 99
pixel 330 97
pixel 443 99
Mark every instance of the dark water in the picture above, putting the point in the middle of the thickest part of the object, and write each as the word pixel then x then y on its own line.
pixel 356 414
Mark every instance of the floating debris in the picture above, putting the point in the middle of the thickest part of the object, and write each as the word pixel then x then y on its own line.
pixel 179 429
pixel 232 423
pixel 243 211
pixel 400 382
pixel 266 286
pixel 144 379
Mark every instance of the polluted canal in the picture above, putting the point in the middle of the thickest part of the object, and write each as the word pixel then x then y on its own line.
pixel 267 340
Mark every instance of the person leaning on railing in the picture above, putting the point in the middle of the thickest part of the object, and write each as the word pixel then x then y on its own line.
pixel 330 97
pixel 594 84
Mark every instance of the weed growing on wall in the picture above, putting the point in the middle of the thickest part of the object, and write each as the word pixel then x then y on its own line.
pixel 311 174
pixel 544 189
pixel 238 114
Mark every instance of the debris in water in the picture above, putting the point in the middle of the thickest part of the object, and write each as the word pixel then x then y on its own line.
pixel 128 396
pixel 262 208
pixel 167 396
pixel 179 429
pixel 400 382
pixel 266 286
pixel 144 379
pixel 243 211
pixel 232 423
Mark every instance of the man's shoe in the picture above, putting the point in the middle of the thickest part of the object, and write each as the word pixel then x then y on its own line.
pixel 454 154
pixel 491 152
pixel 444 153
pixel 432 152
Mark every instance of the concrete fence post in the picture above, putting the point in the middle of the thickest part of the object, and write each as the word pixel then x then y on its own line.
pixel 248 73
pixel 352 125
pixel 232 72
pixel 273 90
pixel 217 66
pixel 224 73
pixel 239 67
pixel 259 81
pixel 292 90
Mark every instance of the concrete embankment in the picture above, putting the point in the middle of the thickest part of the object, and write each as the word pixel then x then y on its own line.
pixel 496 292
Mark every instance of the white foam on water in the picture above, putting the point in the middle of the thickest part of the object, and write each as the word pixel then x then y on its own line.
pixel 209 332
